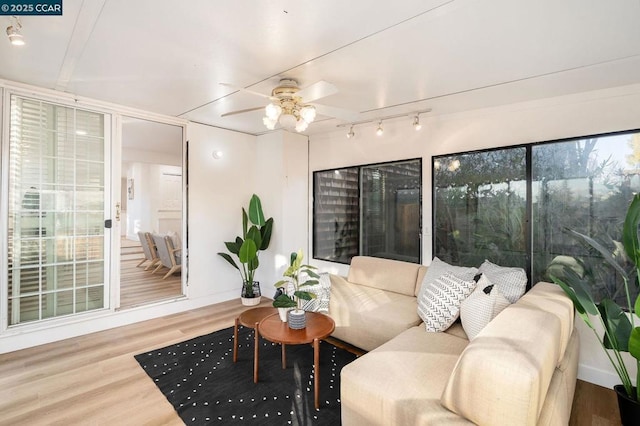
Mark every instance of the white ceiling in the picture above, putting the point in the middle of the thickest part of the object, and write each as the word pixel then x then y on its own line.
pixel 385 57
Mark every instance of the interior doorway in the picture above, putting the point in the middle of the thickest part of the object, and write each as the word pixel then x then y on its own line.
pixel 151 212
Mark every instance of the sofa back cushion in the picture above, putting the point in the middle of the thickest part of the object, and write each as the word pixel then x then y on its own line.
pixel 503 375
pixel 384 274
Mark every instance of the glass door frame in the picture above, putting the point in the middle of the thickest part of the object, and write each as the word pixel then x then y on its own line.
pixel 116 193
pixel 6 93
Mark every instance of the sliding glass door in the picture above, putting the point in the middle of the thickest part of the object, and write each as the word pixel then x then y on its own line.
pixel 57 204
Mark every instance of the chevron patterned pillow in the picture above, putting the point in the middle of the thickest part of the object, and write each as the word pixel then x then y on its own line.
pixel 439 302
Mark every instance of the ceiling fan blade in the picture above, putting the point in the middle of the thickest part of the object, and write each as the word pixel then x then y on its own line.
pixel 339 113
pixel 318 90
pixel 241 111
pixel 242 89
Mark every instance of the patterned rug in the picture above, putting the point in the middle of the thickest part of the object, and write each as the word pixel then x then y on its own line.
pixel 199 378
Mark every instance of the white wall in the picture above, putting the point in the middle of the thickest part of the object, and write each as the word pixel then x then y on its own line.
pixel 281 182
pixel 543 120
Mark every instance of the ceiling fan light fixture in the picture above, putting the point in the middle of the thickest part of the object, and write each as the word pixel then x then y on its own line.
pixel 301 125
pixel 308 113
pixel 287 120
pixel 416 123
pixel 273 111
pixel 269 123
pixel 379 130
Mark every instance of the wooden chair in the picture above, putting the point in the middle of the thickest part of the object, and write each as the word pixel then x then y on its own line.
pixel 168 255
pixel 149 250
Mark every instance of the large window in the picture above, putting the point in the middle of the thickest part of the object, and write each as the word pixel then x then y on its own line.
pixel 56 239
pixel 514 206
pixel 371 210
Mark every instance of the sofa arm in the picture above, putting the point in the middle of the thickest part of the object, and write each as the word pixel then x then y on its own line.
pixel 502 377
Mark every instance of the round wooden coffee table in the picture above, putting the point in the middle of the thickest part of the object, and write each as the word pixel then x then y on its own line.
pixel 318 327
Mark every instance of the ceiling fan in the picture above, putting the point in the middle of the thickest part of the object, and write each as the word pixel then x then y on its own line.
pixel 293 107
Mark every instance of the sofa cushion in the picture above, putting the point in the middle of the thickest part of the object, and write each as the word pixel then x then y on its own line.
pixel 400 382
pixel 529 339
pixel 437 268
pixel 368 317
pixel 385 274
pixel 477 310
pixel 439 303
pixel 512 282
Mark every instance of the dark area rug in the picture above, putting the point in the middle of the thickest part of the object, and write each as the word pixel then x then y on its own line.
pixel 199 378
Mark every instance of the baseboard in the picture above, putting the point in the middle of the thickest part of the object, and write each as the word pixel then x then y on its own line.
pixel 597 376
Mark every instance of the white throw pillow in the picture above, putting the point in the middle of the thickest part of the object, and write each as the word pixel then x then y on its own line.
pixel 512 282
pixel 481 307
pixel 439 267
pixel 322 290
pixel 439 303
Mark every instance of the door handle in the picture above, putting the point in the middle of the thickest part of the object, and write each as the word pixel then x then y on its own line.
pixel 118 212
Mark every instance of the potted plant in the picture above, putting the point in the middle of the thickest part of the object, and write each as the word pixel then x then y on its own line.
pixel 290 290
pixel 620 333
pixel 255 238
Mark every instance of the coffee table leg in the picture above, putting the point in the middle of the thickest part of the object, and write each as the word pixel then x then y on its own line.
pixel 284 357
pixel 255 354
pixel 235 341
pixel 316 371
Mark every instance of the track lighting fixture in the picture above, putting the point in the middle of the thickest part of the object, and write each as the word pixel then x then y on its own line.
pixel 351 132
pixel 379 130
pixel 416 123
pixel 13 32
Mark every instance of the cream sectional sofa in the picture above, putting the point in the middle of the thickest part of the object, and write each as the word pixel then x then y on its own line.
pixel 519 370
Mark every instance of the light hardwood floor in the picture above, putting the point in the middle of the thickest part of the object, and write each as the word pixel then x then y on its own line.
pixel 139 287
pixel 94 379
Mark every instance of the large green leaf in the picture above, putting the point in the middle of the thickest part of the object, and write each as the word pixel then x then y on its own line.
pixel 634 343
pixel 310 272
pixel 581 289
pixel 284 301
pixel 247 251
pixel 281 283
pixel 576 302
pixel 234 246
pixel 266 233
pixel 617 324
pixel 630 231
pixel 304 295
pixel 254 234
pixel 228 258
pixel 245 221
pixel 255 211
pixel 604 252
pixel 309 282
pixel 253 264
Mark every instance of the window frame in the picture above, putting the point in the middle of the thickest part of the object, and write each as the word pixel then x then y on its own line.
pixel 529 185
pixel 359 168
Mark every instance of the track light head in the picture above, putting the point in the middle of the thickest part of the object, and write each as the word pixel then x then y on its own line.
pixel 13 32
pixel 416 123
pixel 351 133
pixel 379 130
